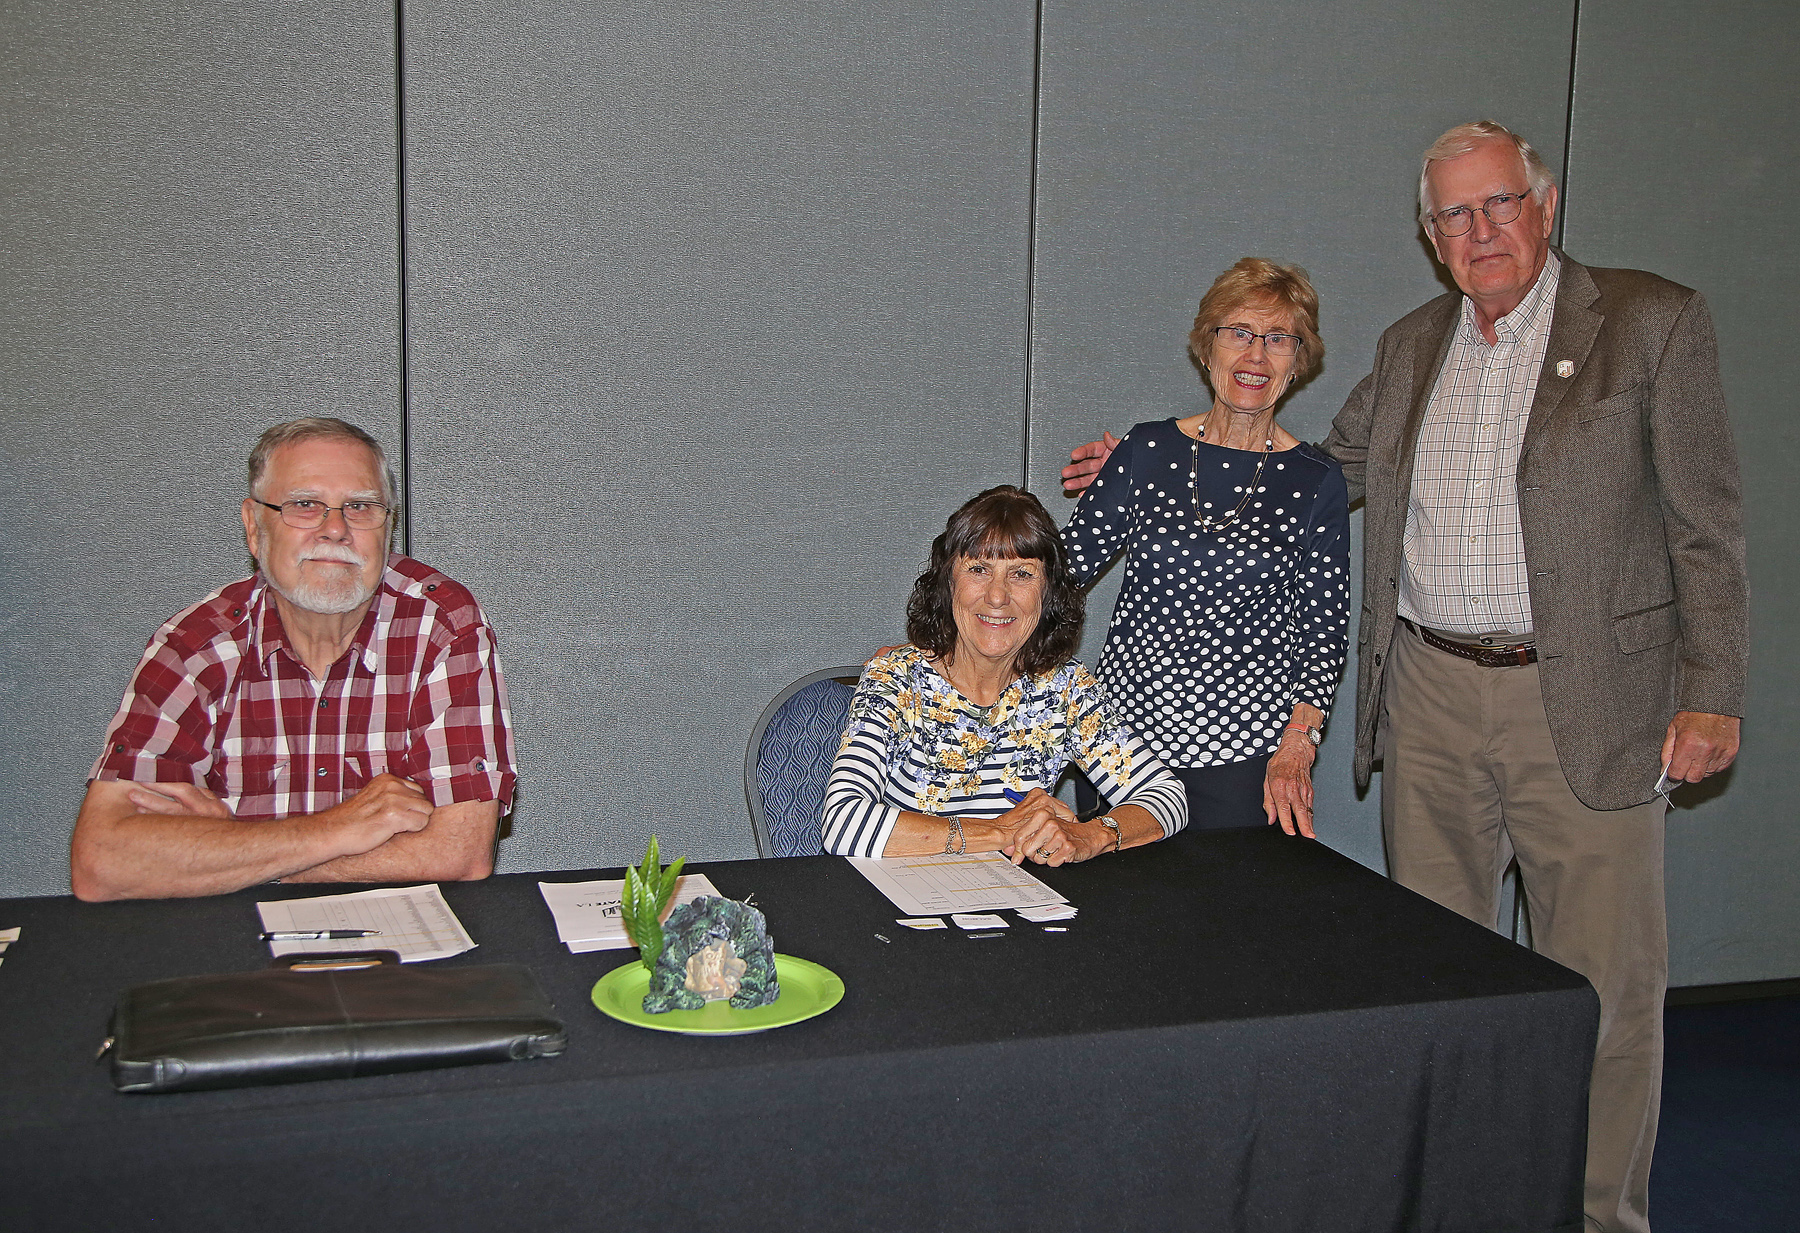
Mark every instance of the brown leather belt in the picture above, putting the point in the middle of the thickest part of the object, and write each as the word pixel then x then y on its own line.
pixel 1515 656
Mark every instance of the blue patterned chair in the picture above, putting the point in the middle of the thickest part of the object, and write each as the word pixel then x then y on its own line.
pixel 789 759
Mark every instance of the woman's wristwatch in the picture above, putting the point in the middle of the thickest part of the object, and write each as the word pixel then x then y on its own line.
pixel 1106 820
pixel 1312 733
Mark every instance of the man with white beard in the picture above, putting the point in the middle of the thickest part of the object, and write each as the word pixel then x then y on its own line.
pixel 339 716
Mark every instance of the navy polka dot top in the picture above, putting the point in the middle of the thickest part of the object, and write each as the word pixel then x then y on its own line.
pixel 1217 634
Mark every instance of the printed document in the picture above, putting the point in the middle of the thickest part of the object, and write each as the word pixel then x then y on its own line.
pixel 587 913
pixel 931 885
pixel 413 920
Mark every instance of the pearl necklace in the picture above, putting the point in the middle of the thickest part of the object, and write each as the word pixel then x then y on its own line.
pixel 1206 522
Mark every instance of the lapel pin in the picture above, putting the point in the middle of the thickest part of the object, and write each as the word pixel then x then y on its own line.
pixel 1565 368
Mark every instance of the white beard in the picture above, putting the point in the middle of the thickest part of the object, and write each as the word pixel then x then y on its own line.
pixel 324 597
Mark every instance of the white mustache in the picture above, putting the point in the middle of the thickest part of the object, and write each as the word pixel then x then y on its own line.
pixel 333 552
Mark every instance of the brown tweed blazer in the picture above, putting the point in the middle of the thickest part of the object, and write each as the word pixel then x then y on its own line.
pixel 1628 496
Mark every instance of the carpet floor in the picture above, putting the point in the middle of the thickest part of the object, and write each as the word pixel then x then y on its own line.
pixel 1728 1150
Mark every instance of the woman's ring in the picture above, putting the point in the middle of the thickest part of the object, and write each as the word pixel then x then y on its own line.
pixel 1044 852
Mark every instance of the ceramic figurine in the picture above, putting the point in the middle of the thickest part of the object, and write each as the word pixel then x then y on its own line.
pixel 713 949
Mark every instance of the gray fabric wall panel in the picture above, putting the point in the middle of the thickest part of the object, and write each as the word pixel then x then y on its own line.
pixel 714 316
pixel 199 232
pixel 1175 140
pixel 1681 162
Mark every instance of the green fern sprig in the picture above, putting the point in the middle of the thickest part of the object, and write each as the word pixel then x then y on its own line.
pixel 648 889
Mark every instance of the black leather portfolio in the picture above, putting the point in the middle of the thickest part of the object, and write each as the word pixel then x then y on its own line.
pixel 286 1024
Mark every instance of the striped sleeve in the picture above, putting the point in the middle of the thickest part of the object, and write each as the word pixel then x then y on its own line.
pixel 1123 769
pixel 857 818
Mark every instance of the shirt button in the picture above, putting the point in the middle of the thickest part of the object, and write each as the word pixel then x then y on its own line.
pixel 321 772
pixel 481 764
pixel 321 704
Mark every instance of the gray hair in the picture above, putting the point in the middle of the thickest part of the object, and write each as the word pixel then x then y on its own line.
pixel 1463 139
pixel 311 428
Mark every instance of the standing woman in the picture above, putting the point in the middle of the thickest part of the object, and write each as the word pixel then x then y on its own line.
pixel 1228 637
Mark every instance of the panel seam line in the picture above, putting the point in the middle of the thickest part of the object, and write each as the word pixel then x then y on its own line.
pixel 1037 85
pixel 1569 127
pixel 405 461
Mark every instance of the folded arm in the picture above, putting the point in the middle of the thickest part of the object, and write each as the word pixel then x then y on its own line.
pixel 158 841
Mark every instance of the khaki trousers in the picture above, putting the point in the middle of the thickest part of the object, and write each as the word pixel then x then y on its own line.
pixel 1470 784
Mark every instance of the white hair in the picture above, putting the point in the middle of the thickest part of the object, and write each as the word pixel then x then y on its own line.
pixel 314 427
pixel 1462 140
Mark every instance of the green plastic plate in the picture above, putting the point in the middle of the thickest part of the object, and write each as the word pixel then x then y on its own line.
pixel 806 990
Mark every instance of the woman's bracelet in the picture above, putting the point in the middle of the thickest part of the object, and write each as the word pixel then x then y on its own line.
pixel 955 836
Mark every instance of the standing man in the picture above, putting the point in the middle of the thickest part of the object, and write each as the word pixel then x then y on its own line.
pixel 337 717
pixel 1554 601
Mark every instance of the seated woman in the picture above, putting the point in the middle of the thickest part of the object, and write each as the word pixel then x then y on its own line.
pixel 956 741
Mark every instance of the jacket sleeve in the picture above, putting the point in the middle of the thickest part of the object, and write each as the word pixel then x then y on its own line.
pixel 1702 508
pixel 1348 441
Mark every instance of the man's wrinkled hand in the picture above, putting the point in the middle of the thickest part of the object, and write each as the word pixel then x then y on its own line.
pixel 385 807
pixel 1699 744
pixel 177 799
pixel 1086 462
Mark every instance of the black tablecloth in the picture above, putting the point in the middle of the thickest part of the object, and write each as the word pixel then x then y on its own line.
pixel 1239 1031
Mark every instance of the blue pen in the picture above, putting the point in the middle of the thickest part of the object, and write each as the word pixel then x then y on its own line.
pixel 1014 797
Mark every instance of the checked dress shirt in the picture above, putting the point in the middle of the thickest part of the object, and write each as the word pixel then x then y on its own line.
pixel 1465 551
pixel 220 700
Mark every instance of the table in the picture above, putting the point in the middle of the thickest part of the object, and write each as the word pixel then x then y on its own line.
pixel 1241 1031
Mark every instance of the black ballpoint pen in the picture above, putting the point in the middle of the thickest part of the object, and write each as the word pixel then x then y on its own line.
pixel 318 935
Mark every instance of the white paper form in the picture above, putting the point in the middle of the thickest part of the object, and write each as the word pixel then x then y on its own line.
pixel 587 913
pixel 413 920
pixel 931 885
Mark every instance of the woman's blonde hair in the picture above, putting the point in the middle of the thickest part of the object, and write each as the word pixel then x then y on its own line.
pixel 1256 282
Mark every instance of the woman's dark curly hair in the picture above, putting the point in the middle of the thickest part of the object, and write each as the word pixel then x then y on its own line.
pixel 1001 522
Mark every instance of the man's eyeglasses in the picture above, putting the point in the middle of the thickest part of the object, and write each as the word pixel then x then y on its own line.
pixel 1501 209
pixel 310 515
pixel 1236 338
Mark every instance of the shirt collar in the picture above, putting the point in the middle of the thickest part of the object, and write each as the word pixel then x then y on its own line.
pixel 1531 317
pixel 267 635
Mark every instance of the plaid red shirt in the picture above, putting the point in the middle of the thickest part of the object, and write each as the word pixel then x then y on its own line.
pixel 220 700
